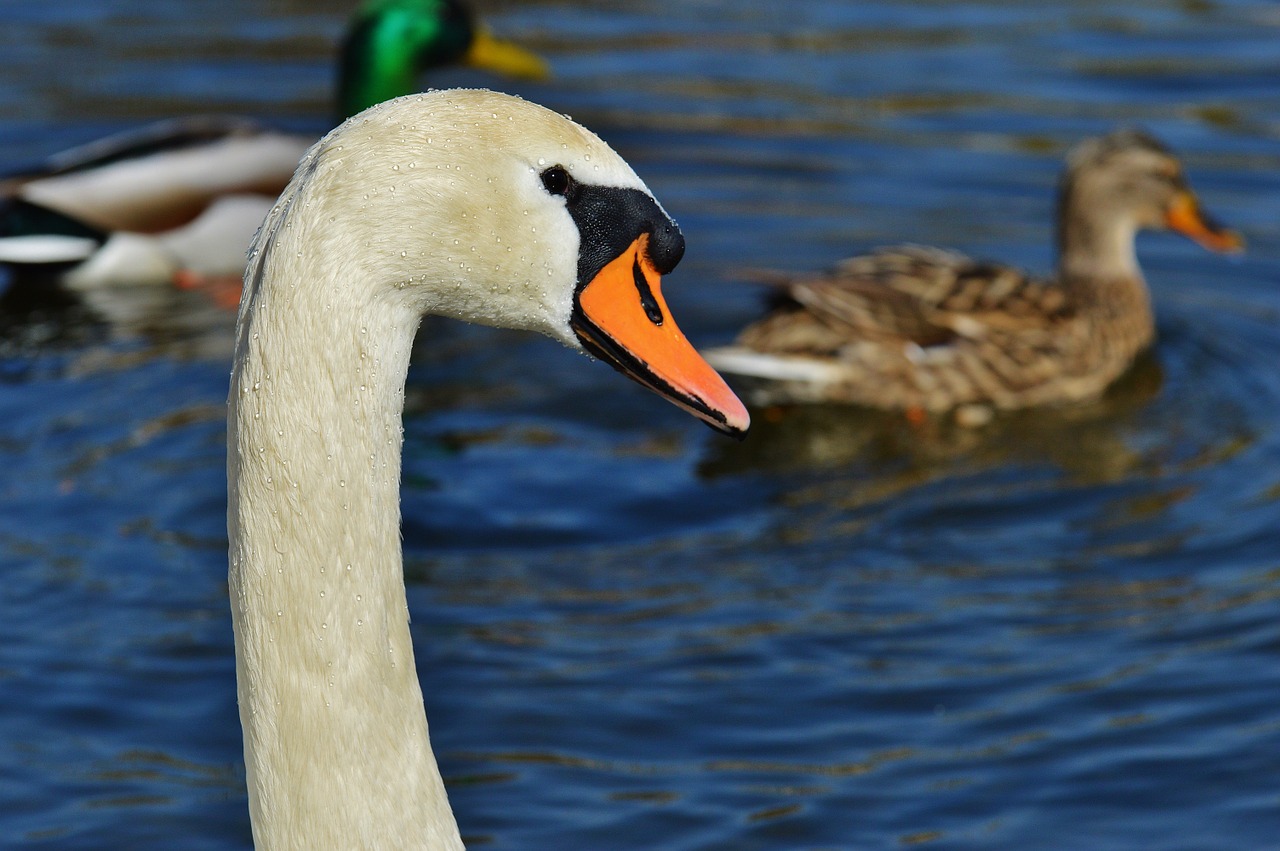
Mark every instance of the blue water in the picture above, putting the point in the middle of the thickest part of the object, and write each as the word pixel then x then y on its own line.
pixel 1060 631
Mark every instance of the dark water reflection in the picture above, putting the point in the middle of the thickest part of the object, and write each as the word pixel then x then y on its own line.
pixel 1058 630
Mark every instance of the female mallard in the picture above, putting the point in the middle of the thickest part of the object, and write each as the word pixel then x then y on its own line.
pixel 923 329
pixel 188 194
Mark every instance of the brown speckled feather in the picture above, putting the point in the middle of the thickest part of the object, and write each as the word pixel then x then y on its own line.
pixel 921 327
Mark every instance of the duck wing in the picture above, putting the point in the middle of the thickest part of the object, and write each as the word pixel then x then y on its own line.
pixel 904 295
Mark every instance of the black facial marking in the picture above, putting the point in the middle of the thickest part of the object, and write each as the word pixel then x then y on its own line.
pixel 609 219
pixel 647 301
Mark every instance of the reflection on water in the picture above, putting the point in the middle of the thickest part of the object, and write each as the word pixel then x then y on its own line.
pixel 1056 630
pixel 1079 438
pixel 36 311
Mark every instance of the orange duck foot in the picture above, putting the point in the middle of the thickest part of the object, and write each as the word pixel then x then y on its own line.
pixel 222 290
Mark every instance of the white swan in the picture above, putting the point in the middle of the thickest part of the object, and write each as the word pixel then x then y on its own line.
pixel 463 203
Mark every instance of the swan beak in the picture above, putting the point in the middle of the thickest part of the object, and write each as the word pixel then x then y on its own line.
pixel 504 57
pixel 1185 216
pixel 621 317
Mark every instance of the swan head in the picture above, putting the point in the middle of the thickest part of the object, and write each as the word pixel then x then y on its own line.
pixel 490 209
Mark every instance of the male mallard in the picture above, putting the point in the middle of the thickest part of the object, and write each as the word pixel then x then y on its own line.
pixel 187 195
pixel 922 329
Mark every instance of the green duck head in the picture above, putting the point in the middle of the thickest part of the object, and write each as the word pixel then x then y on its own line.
pixel 390 43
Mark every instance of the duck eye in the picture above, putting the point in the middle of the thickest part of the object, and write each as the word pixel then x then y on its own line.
pixel 557 181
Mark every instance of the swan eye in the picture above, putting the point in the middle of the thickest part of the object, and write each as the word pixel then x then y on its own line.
pixel 557 181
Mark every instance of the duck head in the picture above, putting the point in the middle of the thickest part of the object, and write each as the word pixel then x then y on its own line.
pixel 1118 184
pixel 391 43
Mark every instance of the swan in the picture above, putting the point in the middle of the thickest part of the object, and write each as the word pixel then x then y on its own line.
pixel 182 198
pixel 462 203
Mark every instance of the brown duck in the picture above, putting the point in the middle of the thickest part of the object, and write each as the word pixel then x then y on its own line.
pixel 924 329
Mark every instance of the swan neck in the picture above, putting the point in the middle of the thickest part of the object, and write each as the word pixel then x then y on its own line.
pixel 336 746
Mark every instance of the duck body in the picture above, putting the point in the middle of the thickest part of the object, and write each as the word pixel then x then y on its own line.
pixel 923 329
pixel 465 204
pixel 140 206
pixel 915 327
pixel 184 197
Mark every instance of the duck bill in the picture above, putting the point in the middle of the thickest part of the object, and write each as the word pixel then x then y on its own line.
pixel 621 317
pixel 504 57
pixel 1185 216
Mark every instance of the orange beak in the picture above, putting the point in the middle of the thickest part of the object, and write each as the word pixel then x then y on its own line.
pixel 1185 216
pixel 621 318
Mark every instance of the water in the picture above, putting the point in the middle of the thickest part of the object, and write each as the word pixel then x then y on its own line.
pixel 1061 631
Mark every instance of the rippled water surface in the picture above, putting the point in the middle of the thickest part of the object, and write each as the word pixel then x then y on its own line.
pixel 1059 631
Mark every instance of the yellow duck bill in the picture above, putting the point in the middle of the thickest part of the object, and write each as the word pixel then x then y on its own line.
pixel 504 57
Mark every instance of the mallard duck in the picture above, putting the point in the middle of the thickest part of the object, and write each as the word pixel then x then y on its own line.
pixel 514 217
pixel 183 198
pixel 924 329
